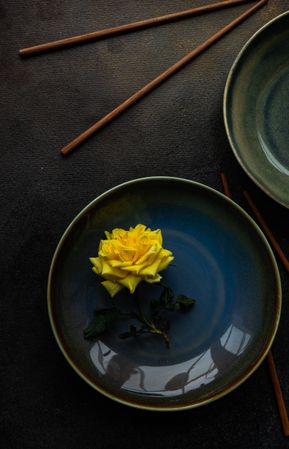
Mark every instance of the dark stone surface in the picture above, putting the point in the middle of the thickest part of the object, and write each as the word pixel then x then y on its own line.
pixel 177 130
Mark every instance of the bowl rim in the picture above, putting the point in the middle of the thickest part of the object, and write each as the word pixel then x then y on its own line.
pixel 172 407
pixel 226 94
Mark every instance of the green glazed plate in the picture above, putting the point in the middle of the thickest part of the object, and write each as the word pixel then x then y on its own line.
pixel 222 260
pixel 256 108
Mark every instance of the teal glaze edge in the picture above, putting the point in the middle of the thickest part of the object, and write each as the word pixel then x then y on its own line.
pixel 176 407
pixel 226 112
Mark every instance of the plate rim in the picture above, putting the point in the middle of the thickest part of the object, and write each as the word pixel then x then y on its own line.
pixel 227 89
pixel 172 407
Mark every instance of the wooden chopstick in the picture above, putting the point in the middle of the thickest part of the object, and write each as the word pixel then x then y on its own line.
pixel 267 231
pixel 278 394
pixel 160 78
pixel 225 185
pixel 270 360
pixel 129 27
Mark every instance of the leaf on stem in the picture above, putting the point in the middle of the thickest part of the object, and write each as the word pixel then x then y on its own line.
pixel 167 301
pixel 100 322
pixel 184 302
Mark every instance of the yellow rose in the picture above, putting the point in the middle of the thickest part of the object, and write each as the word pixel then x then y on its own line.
pixel 127 257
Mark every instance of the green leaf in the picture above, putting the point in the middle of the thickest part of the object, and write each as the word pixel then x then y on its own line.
pixel 184 302
pixel 95 328
pixel 173 306
pixel 166 296
pixel 99 324
pixel 164 301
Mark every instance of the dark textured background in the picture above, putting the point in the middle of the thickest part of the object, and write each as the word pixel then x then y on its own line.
pixel 177 130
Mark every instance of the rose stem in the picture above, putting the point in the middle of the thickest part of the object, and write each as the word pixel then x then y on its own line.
pixel 152 328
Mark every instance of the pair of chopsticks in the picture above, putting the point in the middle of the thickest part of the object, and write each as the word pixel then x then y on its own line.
pixel 164 75
pixel 271 364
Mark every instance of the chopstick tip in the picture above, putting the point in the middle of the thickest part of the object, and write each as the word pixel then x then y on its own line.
pixel 247 196
pixel 63 152
pixel 225 185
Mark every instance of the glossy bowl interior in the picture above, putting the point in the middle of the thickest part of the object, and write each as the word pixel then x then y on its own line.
pixel 256 108
pixel 222 260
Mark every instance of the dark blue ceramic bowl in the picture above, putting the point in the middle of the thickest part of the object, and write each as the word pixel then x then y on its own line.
pixel 256 108
pixel 222 259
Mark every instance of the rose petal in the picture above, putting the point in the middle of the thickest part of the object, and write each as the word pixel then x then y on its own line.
pixel 112 287
pixel 110 272
pixel 96 264
pixel 165 262
pixel 119 263
pixel 130 282
pixel 139 228
pixel 134 268
pixel 154 279
pixel 153 250
pixel 152 269
pixel 118 233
